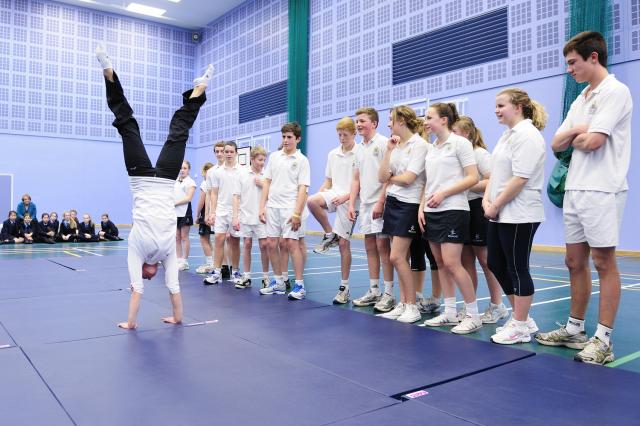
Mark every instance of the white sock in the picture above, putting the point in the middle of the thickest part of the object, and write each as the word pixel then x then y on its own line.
pixel 344 283
pixel 604 333
pixel 472 308
pixel 204 80
pixel 103 58
pixel 388 287
pixel 208 260
pixel 374 284
pixel 419 295
pixel 450 306
pixel 574 325
pixel 285 276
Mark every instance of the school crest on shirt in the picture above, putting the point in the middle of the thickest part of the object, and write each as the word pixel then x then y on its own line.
pixel 376 150
pixel 593 108
pixel 294 165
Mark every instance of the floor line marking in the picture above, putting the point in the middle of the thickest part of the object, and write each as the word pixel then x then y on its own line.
pixel 71 253
pixel 623 360
pixel 87 251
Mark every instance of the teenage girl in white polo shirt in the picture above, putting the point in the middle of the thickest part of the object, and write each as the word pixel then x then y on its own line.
pixel 183 191
pixel 402 168
pixel 478 223
pixel 451 170
pixel 513 203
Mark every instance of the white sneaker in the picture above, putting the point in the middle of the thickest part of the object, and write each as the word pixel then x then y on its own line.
pixel 512 334
pixel 184 266
pixel 385 304
pixel 297 292
pixel 429 305
pixel 213 279
pixel 204 269
pixel 395 313
pixel 469 324
pixel 342 297
pixel 494 313
pixel 103 58
pixel 370 298
pixel 442 320
pixel 274 288
pixel 204 80
pixel 531 325
pixel 411 314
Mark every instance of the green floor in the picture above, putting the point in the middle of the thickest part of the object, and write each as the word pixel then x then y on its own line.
pixel 322 275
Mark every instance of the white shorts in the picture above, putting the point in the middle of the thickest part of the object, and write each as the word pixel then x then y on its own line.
pixel 258 231
pixel 368 225
pixel 277 225
pixel 223 226
pixel 594 217
pixel 342 226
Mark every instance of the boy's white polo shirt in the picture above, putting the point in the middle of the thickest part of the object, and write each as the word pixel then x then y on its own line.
pixel 250 195
pixel 225 179
pixel 444 167
pixel 607 109
pixel 368 160
pixel 340 168
pixel 287 173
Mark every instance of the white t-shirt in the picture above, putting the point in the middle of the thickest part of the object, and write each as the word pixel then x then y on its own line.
pixel 250 195
pixel 445 165
pixel 368 160
pixel 340 167
pixel 180 189
pixel 520 152
pixel 153 235
pixel 606 110
pixel 286 173
pixel 483 161
pixel 224 179
pixel 409 158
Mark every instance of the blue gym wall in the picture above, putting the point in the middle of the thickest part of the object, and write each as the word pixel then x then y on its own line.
pixel 55 132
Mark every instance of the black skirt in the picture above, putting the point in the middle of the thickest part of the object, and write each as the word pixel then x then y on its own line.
pixel 450 226
pixel 400 219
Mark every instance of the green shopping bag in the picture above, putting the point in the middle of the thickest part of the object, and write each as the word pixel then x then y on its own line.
pixel 555 187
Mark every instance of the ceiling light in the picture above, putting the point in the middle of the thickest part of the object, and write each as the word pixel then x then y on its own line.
pixel 145 10
pixel 174 1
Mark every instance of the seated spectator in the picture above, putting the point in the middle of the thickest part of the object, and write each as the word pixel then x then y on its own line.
pixel 53 218
pixel 29 229
pixel 11 232
pixel 109 230
pixel 68 232
pixel 26 206
pixel 87 230
pixel 74 216
pixel 46 230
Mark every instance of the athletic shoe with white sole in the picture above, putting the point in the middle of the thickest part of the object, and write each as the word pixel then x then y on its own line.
pixel 596 352
pixel 328 241
pixel 273 288
pixel 429 305
pixel 236 276
pixel 561 337
pixel 204 269
pixel 411 314
pixel 531 325
pixel 395 313
pixel 494 313
pixel 470 324
pixel 370 298
pixel 183 266
pixel 512 334
pixel 297 292
pixel 212 279
pixel 342 297
pixel 442 320
pixel 385 304
pixel 243 283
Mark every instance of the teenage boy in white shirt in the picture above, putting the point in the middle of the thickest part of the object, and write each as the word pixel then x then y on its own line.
pixel 598 127
pixel 372 194
pixel 333 196
pixel 246 206
pixel 222 184
pixel 284 194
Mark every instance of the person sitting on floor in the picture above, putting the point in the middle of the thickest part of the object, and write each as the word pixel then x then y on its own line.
pixel 68 232
pixel 45 230
pixel 87 230
pixel 29 229
pixel 109 231
pixel 11 232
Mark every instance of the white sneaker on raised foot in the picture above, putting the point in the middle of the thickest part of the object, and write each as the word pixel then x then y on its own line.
pixel 442 320
pixel 469 324
pixel 103 58
pixel 494 313
pixel 511 334
pixel 531 325
pixel 411 314
pixel 395 313
pixel 204 80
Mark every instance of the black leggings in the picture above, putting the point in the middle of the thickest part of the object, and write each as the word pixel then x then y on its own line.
pixel 509 248
pixel 135 155
pixel 419 247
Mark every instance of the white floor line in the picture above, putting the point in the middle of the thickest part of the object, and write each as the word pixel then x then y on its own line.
pixel 87 251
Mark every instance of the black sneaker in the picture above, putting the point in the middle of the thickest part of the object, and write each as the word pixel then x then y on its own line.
pixel 225 271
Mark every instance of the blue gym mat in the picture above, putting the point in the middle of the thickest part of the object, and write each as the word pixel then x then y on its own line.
pixel 24 397
pixel 387 356
pixel 76 316
pixel 409 413
pixel 5 339
pixel 543 389
pixel 194 376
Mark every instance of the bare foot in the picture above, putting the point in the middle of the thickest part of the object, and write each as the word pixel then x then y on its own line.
pixel 171 320
pixel 127 326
